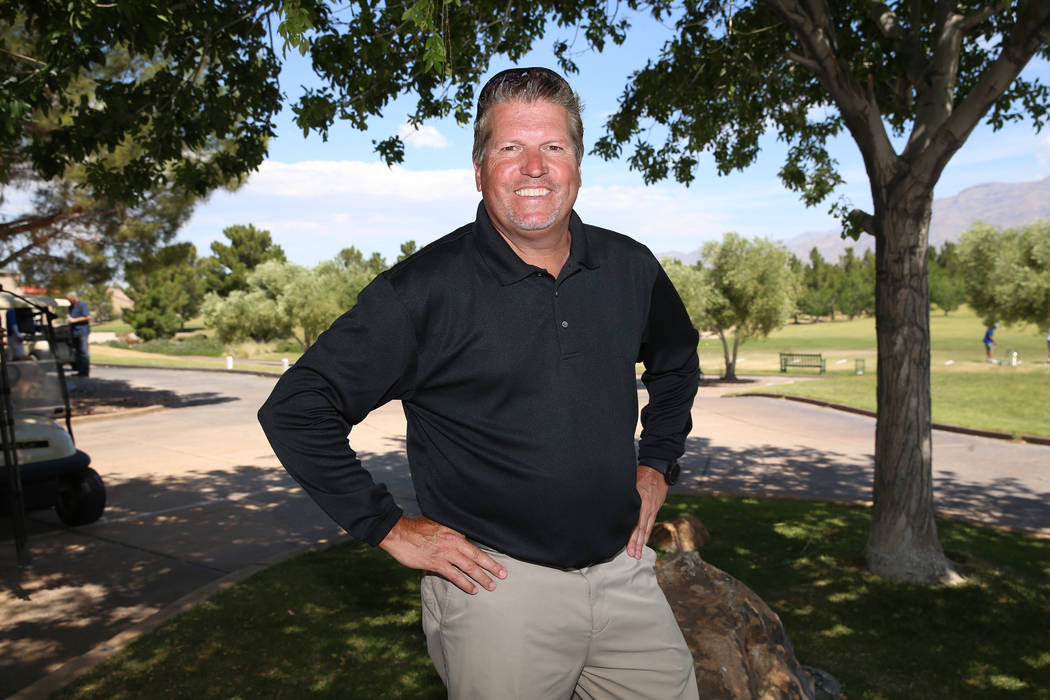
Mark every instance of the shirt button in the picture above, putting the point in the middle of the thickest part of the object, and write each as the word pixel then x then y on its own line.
pixel 564 324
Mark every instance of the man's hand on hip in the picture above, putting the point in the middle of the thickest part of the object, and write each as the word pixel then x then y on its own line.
pixel 421 543
pixel 653 490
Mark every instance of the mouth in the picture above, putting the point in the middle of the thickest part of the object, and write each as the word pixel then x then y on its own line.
pixel 532 191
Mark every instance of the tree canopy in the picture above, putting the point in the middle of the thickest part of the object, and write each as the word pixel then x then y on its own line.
pixel 167 290
pixel 820 283
pixel 115 118
pixel 751 291
pixel 213 78
pixel 228 266
pixel 1007 273
pixel 947 286
pixel 283 300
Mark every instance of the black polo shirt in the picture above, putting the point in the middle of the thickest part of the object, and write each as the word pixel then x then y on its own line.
pixel 519 390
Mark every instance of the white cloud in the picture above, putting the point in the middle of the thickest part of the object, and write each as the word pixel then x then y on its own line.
pixel 315 208
pixel 1043 152
pixel 316 178
pixel 422 136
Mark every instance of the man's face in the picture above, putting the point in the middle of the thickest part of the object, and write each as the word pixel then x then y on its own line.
pixel 529 176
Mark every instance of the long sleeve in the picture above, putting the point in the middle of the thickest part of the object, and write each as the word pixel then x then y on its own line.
pixel 671 376
pixel 365 359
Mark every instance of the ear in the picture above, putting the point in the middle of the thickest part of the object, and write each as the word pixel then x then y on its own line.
pixel 477 175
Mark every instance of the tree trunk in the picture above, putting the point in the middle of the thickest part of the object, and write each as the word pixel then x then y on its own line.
pixel 730 361
pixel 903 542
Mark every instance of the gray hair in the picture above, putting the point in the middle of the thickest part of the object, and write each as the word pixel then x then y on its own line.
pixel 527 85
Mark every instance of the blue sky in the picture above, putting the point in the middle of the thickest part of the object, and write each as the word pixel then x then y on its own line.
pixel 318 197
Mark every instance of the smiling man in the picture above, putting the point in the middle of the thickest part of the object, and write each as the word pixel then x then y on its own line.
pixel 512 344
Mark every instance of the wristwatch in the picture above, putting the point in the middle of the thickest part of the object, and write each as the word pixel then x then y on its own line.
pixel 672 472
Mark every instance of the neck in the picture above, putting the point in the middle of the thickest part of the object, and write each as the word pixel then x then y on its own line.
pixel 549 252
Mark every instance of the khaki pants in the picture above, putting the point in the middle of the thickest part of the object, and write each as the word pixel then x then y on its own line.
pixel 605 631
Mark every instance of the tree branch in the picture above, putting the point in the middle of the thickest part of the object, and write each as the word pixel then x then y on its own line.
pixel 29 224
pixel 861 220
pixel 23 57
pixel 907 39
pixel 968 24
pixel 18 253
pixel 935 85
pixel 886 20
pixel 855 102
pixel 1030 33
pixel 807 63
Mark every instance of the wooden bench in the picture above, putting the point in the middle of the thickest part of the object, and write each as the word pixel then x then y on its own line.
pixel 802 359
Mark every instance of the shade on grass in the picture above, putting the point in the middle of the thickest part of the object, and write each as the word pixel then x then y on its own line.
pixel 344 622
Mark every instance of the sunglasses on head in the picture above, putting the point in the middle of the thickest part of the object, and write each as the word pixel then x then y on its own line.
pixel 515 75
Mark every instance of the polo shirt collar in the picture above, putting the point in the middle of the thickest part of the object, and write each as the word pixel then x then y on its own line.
pixel 506 264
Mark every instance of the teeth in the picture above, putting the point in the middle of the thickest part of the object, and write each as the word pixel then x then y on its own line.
pixel 531 192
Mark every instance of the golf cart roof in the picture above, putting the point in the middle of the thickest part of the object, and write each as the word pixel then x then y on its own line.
pixel 9 301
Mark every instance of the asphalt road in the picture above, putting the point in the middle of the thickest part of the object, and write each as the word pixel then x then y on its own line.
pixel 195 497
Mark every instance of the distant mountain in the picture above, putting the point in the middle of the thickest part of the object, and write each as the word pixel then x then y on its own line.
pixel 686 258
pixel 997 203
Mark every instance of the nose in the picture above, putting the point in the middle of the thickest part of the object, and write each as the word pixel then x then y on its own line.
pixel 533 163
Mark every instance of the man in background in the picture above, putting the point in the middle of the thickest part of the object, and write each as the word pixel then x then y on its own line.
pixel 15 339
pixel 990 343
pixel 79 327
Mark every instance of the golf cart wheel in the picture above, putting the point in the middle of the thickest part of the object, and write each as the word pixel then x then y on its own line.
pixel 82 499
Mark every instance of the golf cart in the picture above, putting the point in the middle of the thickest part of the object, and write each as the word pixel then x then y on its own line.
pixel 42 467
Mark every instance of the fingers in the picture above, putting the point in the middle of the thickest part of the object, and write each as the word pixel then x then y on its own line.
pixel 474 565
pixel 641 532
pixel 637 542
pixel 652 489
pixel 421 543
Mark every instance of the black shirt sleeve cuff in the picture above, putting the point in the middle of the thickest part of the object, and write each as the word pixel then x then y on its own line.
pixel 659 465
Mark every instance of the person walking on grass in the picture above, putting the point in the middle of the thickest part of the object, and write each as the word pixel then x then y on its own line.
pixel 511 344
pixel 990 343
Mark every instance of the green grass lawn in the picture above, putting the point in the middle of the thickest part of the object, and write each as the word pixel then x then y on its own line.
pixel 114 326
pixel 120 356
pixel 965 389
pixel 344 622
pixel 1002 400
pixel 955 338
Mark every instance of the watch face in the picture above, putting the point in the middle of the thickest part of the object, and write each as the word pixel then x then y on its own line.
pixel 671 475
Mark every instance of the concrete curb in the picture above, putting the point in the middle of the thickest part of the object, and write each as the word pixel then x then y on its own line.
pixel 256 372
pixel 73 669
pixel 976 432
pixel 94 417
